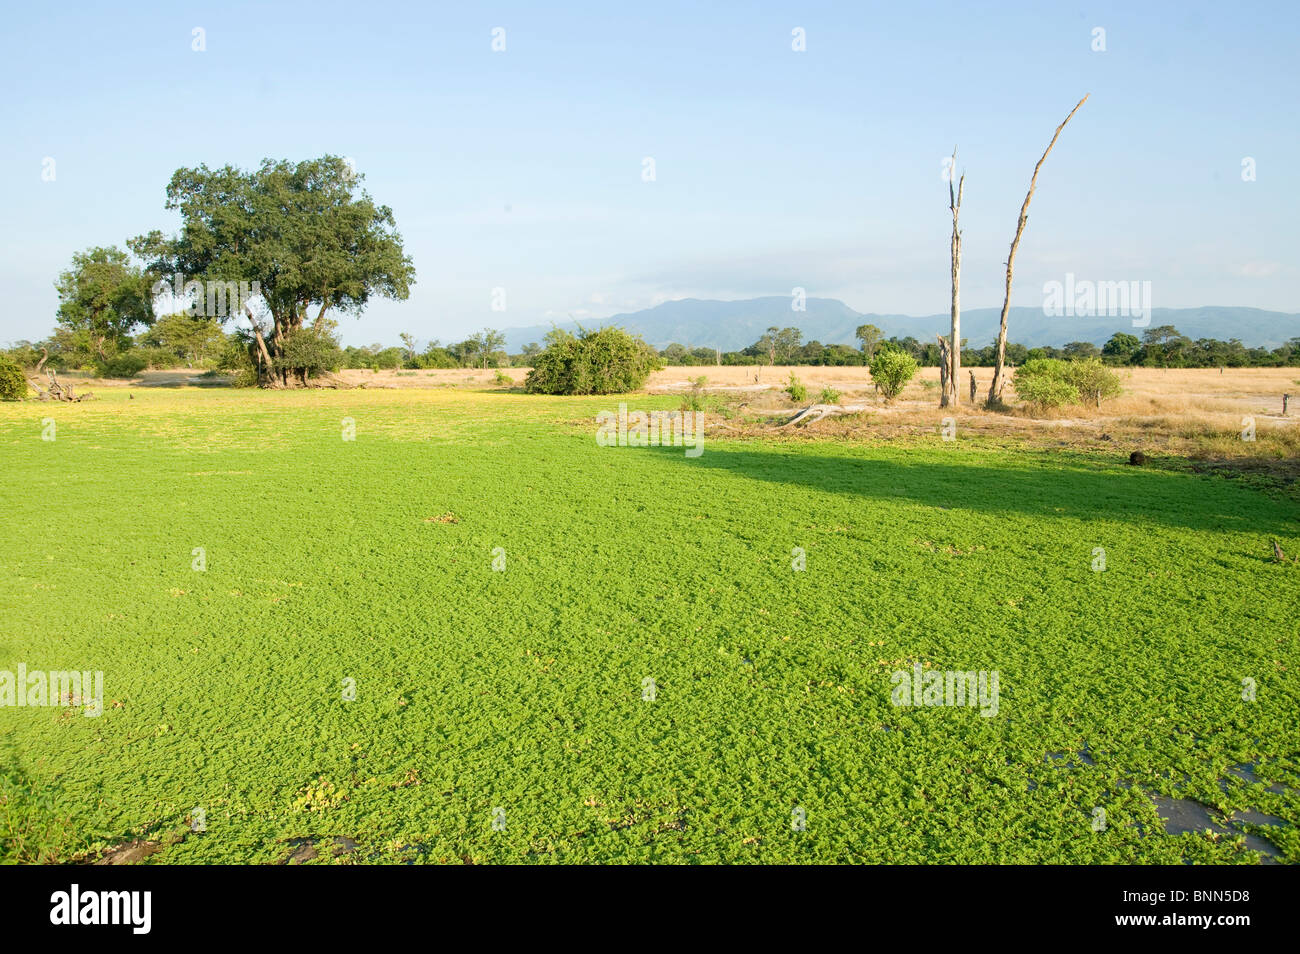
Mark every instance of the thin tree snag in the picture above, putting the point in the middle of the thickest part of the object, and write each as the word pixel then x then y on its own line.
pixel 972 386
pixel 952 361
pixel 946 384
pixel 999 379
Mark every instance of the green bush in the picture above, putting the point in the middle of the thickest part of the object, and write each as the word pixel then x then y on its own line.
pixel 13 384
pixel 125 365
pixel 607 361
pixel 307 351
pixel 797 390
pixel 434 357
pixel 503 379
pixel 891 369
pixel 1041 382
pixel 1094 381
pixel 1051 382
pixel 829 396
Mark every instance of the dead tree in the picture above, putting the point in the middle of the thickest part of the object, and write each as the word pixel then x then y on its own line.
pixel 57 391
pixel 816 412
pixel 946 383
pixel 950 357
pixel 999 379
pixel 972 386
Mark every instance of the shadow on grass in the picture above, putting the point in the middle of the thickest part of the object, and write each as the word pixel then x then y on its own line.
pixel 1033 484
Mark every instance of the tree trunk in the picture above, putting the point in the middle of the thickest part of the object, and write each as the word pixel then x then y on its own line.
pixel 952 384
pixel 261 354
pixel 999 380
pixel 947 388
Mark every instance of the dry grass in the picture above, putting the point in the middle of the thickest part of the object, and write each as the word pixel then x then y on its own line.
pixel 1194 415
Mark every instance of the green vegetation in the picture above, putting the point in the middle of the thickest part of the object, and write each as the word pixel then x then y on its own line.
pixel 1051 383
pixel 891 369
pixel 13 384
pixel 1161 347
pixel 523 689
pixel 797 390
pixel 125 365
pixel 604 361
pixel 306 232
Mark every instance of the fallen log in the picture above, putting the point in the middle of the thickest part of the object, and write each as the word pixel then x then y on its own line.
pixel 57 391
pixel 817 412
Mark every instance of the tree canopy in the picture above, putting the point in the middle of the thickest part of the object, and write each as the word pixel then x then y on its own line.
pixel 103 297
pixel 306 232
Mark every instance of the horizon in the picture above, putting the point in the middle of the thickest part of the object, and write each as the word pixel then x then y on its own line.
pixel 523 168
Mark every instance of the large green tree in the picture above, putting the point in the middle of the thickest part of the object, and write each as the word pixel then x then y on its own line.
pixel 306 233
pixel 103 297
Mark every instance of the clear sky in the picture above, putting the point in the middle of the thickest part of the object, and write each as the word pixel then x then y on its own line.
pixel 522 169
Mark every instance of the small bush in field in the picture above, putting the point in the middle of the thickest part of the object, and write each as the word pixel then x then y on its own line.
pixel 829 396
pixel 1094 381
pixel 1052 383
pixel 797 390
pixel 606 361
pixel 1041 382
pixel 891 369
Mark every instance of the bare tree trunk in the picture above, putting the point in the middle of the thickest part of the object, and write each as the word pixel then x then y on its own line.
pixel 999 381
pixel 952 362
pixel 947 389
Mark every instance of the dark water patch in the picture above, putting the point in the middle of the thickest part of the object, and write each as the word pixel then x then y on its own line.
pixel 1245 773
pixel 1186 815
pixel 309 848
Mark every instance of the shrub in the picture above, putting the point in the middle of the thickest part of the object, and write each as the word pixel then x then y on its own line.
pixel 694 400
pixel 829 396
pixel 125 365
pixel 891 369
pixel 13 384
pixel 307 351
pixel 435 357
pixel 797 390
pixel 1094 381
pixel 1041 382
pixel 1050 382
pixel 503 379
pixel 607 361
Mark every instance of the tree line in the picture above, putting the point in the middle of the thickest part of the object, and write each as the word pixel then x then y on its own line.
pixel 1160 347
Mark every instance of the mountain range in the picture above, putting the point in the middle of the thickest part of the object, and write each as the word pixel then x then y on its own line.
pixel 732 325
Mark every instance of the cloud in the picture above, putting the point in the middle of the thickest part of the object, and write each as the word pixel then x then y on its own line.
pixel 1256 269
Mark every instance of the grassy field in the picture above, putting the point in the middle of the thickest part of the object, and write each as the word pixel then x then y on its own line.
pixel 500 714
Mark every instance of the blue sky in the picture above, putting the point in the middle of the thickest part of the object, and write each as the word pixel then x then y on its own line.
pixel 821 169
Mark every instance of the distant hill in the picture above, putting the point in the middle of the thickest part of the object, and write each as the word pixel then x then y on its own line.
pixel 732 325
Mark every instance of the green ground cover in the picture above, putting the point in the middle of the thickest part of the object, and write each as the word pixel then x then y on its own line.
pixel 522 689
